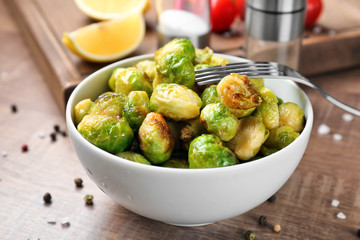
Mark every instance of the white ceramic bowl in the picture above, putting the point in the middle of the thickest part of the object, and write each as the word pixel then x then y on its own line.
pixel 187 197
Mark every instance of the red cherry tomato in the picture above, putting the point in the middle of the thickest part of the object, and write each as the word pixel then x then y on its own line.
pixel 240 8
pixel 313 11
pixel 223 13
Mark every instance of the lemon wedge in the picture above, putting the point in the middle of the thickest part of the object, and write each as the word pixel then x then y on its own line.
pixel 109 9
pixel 107 41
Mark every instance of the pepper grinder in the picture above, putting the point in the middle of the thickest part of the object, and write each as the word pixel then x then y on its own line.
pixel 274 30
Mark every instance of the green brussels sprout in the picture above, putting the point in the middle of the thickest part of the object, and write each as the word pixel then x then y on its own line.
pixel 292 115
pixel 238 94
pixel 203 56
pixel 175 128
pixel 114 76
pixel 257 83
pixel 175 67
pixel 149 67
pixel 267 151
pixel 268 111
pixel 108 103
pixel 81 109
pixel 132 79
pixel 156 139
pixel 110 133
pixel 250 135
pixel 218 120
pixel 132 156
pixel 191 129
pixel 208 151
pixel 209 95
pixel 175 101
pixel 281 137
pixel 136 108
pixel 217 60
pixel 180 45
pixel 176 162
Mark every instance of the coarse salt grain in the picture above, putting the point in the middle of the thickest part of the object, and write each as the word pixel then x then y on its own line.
pixel 65 221
pixel 335 203
pixel 323 129
pixel 337 137
pixel 4 154
pixel 51 220
pixel 41 134
pixel 341 215
pixel 4 74
pixel 347 117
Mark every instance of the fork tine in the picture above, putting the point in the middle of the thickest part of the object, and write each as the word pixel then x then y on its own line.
pixel 240 65
pixel 215 78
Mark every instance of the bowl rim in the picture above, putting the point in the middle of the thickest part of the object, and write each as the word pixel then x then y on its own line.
pixel 124 162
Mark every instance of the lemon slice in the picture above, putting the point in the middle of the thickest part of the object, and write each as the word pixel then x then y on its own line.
pixel 109 9
pixel 108 40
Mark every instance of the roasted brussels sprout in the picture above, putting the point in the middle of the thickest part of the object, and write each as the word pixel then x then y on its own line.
pixel 292 115
pixel 175 162
pixel 209 95
pixel 132 79
pixel 191 129
pixel 114 76
pixel 180 45
pixel 175 67
pixel 135 157
pixel 250 135
pixel 136 108
pixel 208 151
pixel 268 111
pixel 217 60
pixel 175 101
pixel 156 139
pixel 257 83
pixel 110 133
pixel 203 56
pixel 238 94
pixel 281 137
pixel 81 109
pixel 218 120
pixel 108 103
pixel 149 67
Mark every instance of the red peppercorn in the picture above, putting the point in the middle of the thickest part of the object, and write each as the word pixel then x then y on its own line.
pixel 24 148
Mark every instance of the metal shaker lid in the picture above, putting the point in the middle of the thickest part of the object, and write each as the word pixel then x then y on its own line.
pixel 277 6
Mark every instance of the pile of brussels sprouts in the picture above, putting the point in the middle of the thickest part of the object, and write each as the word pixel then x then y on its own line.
pixel 154 113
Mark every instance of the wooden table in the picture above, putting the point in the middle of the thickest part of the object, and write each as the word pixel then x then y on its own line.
pixel 329 170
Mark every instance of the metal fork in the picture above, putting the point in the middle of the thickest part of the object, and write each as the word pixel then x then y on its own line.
pixel 214 74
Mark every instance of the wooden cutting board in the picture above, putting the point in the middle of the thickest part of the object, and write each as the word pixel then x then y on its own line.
pixel 332 45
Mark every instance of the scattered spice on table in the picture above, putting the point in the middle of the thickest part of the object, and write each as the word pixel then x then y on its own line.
pixel 272 198
pixel 341 215
pixel 323 129
pixel 337 137
pixel 63 133
pixel 277 228
pixel 78 182
pixel 262 220
pixel 47 198
pixel 89 199
pixel 41 134
pixel 65 222
pixel 24 148
pixel 14 108
pixel 53 137
pixel 249 235
pixel 51 220
pixel 347 117
pixel 4 154
pixel 335 203
pixel 57 128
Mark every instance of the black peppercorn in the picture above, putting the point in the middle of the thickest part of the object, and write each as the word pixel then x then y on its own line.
pixel 262 220
pixel 272 198
pixel 56 128
pixel 53 137
pixel 250 235
pixel 89 199
pixel 78 182
pixel 358 233
pixel 64 133
pixel 47 197
pixel 13 108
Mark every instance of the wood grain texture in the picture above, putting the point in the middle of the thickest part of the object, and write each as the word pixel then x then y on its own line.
pixel 329 169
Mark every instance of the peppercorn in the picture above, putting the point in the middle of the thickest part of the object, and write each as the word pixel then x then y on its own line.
pixel 53 137
pixel 24 148
pixel 78 182
pixel 13 108
pixel 47 197
pixel 56 128
pixel 358 233
pixel 262 220
pixel 89 199
pixel 277 228
pixel 272 198
pixel 64 133
pixel 250 235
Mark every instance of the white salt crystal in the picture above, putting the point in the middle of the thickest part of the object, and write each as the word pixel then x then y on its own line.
pixel 323 129
pixel 65 221
pixel 347 117
pixel 41 134
pixel 4 154
pixel 51 220
pixel 341 215
pixel 4 74
pixel 335 203
pixel 337 137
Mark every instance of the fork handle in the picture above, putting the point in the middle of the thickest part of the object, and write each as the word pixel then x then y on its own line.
pixel 327 96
